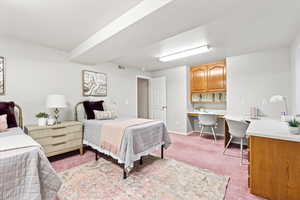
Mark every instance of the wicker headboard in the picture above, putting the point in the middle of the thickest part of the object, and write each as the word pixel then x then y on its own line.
pixel 19 115
pixel 76 112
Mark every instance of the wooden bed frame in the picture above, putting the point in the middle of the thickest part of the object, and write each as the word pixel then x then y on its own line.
pixel 125 174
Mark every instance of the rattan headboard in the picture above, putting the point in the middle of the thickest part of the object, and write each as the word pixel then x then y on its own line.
pixel 76 110
pixel 19 115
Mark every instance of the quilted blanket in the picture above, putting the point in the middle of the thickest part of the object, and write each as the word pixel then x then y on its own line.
pixel 26 173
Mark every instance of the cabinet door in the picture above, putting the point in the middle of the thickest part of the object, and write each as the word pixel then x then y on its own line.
pixel 198 79
pixel 274 168
pixel 216 77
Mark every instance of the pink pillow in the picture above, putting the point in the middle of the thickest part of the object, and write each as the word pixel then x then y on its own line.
pixel 3 122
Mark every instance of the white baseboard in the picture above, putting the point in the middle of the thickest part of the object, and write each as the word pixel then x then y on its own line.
pixel 180 133
pixel 219 134
pixel 191 132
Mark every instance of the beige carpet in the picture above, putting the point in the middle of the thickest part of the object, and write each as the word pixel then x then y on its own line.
pixel 156 179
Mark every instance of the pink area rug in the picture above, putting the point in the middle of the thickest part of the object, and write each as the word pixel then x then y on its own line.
pixel 161 179
pixel 193 150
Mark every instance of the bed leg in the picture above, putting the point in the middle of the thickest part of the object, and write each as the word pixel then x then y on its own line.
pixel 124 173
pixel 162 152
pixel 141 160
pixel 96 155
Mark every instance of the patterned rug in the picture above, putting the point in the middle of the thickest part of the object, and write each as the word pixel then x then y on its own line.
pixel 156 179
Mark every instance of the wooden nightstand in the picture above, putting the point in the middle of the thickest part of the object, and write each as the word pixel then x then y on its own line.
pixel 57 139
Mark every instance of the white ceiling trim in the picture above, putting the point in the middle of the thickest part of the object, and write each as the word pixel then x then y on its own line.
pixel 132 16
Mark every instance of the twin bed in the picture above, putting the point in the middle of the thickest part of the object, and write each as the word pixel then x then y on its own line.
pixel 25 171
pixel 138 140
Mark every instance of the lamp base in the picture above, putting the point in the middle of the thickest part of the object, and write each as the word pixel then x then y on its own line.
pixel 56 116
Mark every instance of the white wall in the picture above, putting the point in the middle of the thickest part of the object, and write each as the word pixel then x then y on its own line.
pixel 176 97
pixel 252 79
pixel 33 72
pixel 295 67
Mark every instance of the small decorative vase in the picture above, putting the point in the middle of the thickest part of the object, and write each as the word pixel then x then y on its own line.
pixel 294 130
pixel 42 121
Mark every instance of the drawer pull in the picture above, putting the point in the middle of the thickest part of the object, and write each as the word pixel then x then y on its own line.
pixel 57 136
pixel 58 128
pixel 58 143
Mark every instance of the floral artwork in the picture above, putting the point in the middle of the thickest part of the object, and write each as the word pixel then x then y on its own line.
pixel 1 76
pixel 94 83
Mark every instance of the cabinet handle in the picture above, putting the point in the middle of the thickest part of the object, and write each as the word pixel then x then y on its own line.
pixel 58 128
pixel 58 143
pixel 56 136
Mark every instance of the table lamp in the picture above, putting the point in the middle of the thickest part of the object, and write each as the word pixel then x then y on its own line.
pixel 56 101
pixel 279 98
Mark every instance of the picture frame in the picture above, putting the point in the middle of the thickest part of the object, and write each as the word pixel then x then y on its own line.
pixel 94 83
pixel 2 75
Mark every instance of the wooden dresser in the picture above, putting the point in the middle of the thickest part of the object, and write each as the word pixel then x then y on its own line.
pixel 57 139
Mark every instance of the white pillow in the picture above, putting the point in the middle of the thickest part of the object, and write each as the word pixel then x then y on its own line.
pixel 101 115
pixel 3 122
pixel 109 106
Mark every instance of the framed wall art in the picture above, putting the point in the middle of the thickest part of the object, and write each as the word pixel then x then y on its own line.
pixel 94 83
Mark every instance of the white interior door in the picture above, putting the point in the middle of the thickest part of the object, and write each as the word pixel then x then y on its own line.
pixel 158 103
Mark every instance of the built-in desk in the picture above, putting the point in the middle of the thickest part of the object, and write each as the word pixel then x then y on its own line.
pixel 274 160
pixel 193 120
pixel 220 114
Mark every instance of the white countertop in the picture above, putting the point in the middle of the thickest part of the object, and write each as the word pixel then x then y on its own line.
pixel 209 111
pixel 271 128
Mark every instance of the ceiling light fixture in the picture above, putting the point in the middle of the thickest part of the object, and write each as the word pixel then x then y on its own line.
pixel 185 53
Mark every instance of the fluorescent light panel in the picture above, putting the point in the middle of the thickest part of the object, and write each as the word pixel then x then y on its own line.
pixel 184 54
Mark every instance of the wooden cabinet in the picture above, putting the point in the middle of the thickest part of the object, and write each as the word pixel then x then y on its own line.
pixel 274 170
pixel 216 77
pixel 199 79
pixel 208 78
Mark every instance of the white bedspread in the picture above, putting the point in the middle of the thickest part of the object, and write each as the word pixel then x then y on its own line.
pixel 14 142
pixel 26 173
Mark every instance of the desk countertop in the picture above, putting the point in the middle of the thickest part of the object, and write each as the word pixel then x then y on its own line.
pixel 216 112
pixel 271 128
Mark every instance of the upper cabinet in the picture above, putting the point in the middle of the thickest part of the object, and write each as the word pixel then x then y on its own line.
pixel 199 79
pixel 208 78
pixel 216 77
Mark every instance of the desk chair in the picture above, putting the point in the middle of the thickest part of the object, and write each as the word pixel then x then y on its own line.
pixel 208 120
pixel 237 129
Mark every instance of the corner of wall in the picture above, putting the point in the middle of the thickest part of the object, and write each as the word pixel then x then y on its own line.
pixel 295 73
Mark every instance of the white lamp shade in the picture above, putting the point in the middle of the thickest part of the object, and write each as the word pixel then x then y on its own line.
pixel 56 101
pixel 277 98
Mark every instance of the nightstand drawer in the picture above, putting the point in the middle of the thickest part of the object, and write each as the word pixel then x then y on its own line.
pixel 61 145
pixel 55 131
pixel 59 138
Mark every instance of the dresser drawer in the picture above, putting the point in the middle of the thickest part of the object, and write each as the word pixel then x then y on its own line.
pixel 61 145
pixel 59 138
pixel 49 132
